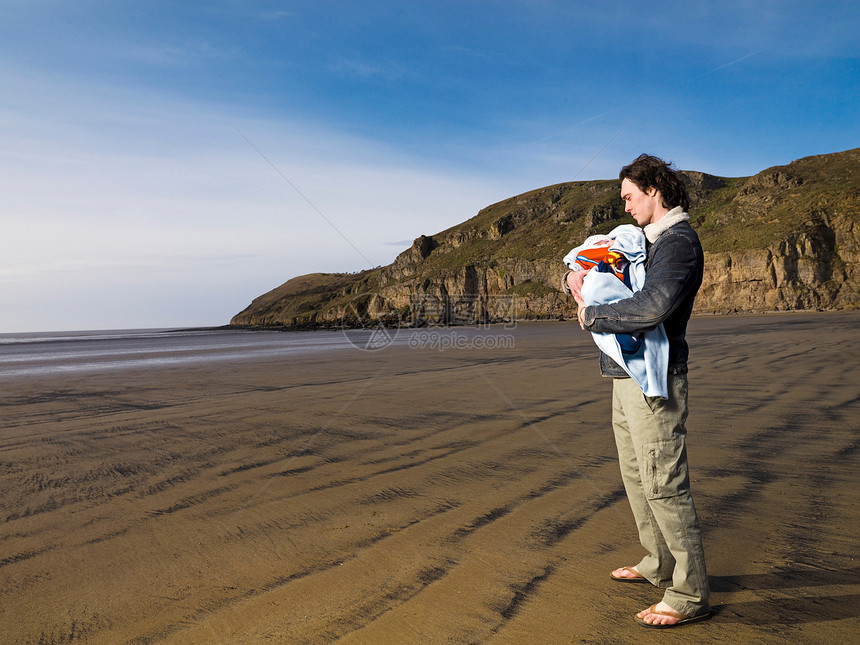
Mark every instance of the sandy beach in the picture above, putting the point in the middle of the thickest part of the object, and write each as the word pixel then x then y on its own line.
pixel 469 494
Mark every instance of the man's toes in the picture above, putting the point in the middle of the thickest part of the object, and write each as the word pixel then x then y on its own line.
pixel 625 572
pixel 647 616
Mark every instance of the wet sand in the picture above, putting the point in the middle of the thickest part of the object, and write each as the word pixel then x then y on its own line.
pixel 405 495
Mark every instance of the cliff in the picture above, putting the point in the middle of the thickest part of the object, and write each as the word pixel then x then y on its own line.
pixel 787 238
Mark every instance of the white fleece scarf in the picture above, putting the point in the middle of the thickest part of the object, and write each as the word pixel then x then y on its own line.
pixel 674 216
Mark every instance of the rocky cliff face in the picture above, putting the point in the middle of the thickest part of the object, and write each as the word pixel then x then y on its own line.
pixel 785 239
pixel 814 268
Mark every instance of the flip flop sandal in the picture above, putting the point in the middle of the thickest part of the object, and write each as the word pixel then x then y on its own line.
pixel 639 577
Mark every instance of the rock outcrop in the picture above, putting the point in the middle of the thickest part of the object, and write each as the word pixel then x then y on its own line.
pixel 785 239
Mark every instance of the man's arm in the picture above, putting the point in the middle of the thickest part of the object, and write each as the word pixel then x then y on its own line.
pixel 671 274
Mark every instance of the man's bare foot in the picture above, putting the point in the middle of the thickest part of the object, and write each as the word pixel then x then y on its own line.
pixel 662 616
pixel 625 574
pixel 666 615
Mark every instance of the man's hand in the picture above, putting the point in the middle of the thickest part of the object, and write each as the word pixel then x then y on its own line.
pixel 574 282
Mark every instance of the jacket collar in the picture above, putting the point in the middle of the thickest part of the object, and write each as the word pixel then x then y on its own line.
pixel 674 216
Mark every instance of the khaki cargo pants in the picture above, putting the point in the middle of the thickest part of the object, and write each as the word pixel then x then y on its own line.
pixel 650 436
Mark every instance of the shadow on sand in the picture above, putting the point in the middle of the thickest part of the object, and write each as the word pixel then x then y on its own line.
pixel 793 598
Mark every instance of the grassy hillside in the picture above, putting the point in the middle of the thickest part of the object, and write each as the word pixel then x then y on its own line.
pixel 516 245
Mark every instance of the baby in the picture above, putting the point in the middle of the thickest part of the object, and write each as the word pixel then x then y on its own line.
pixel 597 253
pixel 615 267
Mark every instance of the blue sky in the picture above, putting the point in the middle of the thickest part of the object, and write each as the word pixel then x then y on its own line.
pixel 163 163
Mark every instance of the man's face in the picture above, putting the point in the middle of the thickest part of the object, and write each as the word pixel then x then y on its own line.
pixel 639 204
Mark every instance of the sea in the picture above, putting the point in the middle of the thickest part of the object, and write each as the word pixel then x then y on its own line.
pixel 52 353
pixel 57 353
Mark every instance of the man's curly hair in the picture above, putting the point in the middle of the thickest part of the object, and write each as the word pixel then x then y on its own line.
pixel 648 171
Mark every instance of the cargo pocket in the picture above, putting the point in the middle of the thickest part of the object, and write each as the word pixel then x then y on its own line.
pixel 665 468
pixel 677 386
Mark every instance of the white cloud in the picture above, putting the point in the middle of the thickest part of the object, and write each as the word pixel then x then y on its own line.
pixel 122 195
pixel 176 55
pixel 364 69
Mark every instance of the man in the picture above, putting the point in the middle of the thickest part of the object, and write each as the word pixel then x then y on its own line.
pixel 649 432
